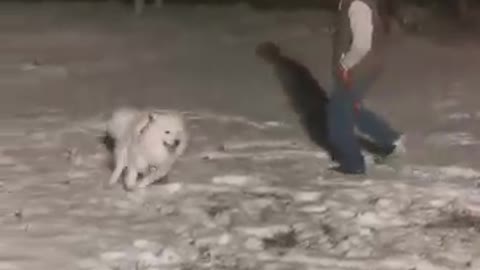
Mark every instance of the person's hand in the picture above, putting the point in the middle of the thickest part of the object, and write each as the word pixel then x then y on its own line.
pixel 345 77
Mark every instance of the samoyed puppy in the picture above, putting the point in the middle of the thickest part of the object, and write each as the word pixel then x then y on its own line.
pixel 147 142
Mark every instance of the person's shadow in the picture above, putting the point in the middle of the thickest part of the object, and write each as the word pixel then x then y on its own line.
pixel 307 98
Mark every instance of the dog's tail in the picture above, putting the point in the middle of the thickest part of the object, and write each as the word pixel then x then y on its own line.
pixel 119 122
pixel 268 51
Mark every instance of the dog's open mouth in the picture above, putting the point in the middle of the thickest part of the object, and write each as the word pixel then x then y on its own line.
pixel 171 147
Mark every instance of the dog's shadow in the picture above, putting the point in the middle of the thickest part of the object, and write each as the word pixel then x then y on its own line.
pixel 107 141
pixel 307 98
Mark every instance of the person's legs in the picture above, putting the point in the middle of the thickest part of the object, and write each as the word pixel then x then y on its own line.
pixel 377 129
pixel 341 132
pixel 372 125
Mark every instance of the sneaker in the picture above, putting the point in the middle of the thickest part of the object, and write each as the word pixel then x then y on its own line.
pixel 400 148
pixel 341 170
pixel 397 151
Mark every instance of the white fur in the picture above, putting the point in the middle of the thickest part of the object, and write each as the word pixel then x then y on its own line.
pixel 147 142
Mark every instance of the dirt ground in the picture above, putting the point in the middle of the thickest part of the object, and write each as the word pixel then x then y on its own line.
pixel 250 191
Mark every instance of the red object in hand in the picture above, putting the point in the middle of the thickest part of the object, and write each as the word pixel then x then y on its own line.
pixel 357 106
pixel 345 76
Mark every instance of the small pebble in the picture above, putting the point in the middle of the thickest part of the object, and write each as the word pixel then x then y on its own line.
pixel 19 214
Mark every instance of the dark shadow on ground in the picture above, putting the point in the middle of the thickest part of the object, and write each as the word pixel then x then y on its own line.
pixel 109 144
pixel 307 98
pixel 107 141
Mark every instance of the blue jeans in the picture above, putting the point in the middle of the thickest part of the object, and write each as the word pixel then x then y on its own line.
pixel 345 112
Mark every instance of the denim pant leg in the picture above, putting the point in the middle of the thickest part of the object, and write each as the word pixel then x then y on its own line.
pixel 371 124
pixel 376 128
pixel 341 131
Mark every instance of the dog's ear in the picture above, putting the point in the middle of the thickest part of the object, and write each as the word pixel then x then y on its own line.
pixel 142 123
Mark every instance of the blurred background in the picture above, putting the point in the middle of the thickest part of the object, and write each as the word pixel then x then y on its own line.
pixel 410 15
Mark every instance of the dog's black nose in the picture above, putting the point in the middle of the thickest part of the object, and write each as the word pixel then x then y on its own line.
pixel 176 142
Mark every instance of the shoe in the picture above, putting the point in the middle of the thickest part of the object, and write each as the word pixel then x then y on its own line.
pixel 399 144
pixel 396 151
pixel 340 173
pixel 342 170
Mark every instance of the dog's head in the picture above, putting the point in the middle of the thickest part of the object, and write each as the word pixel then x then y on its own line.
pixel 171 129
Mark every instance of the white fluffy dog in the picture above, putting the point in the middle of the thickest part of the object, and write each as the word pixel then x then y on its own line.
pixel 146 142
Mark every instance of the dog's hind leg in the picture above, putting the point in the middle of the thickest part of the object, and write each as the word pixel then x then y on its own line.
pixel 131 178
pixel 120 161
pixel 154 176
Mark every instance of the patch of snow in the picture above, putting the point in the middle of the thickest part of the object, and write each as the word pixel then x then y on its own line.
pixel 113 255
pixel 6 160
pixel 441 173
pixel 374 220
pixel 427 265
pixel 225 239
pixel 446 104
pixel 275 124
pixel 459 172
pixel 170 188
pixel 307 196
pixel 459 116
pixel 265 231
pixel 231 146
pixel 316 209
pixel 452 138
pixel 253 244
pixel 236 180
pixel 471 201
pixel 74 174
pixel 226 119
pixel 265 155
pixel 166 257
pixel 145 244
pixel 8 266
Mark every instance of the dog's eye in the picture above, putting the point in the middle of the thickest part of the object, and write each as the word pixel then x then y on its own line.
pixel 167 132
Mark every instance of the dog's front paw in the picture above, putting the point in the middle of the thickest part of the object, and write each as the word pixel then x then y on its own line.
pixel 152 181
pixel 131 188
pixel 108 185
pixel 143 185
